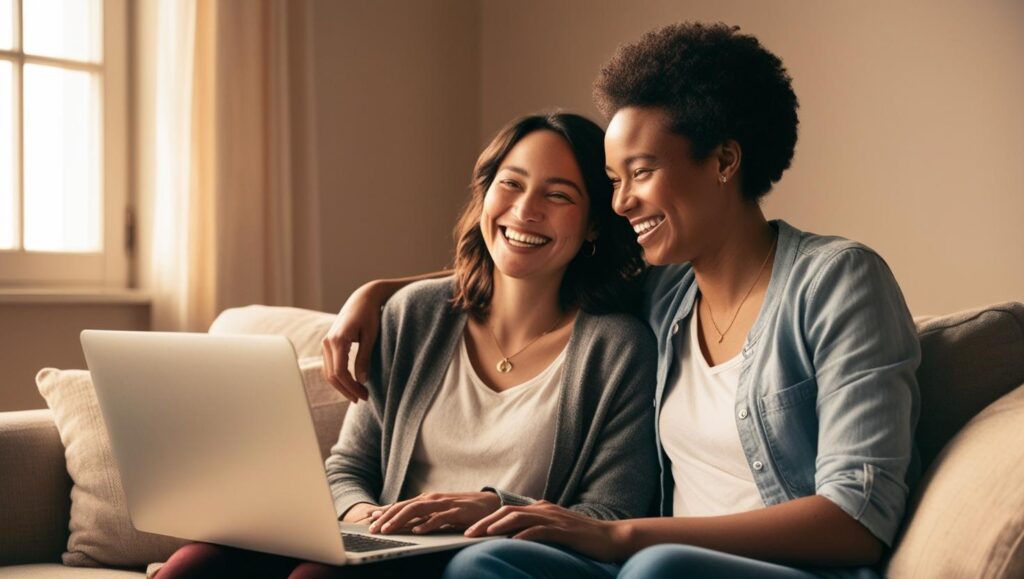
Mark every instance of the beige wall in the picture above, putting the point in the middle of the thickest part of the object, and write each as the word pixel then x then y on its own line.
pixel 43 333
pixel 397 116
pixel 911 136
pixel 911 139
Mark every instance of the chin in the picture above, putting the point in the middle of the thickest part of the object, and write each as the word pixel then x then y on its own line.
pixel 655 256
pixel 514 270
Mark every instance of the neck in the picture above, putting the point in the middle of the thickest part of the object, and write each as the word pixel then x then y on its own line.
pixel 726 271
pixel 521 309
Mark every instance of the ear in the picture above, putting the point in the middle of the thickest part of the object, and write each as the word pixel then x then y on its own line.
pixel 729 155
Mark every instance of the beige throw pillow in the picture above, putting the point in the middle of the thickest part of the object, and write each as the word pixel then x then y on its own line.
pixel 101 530
pixel 967 519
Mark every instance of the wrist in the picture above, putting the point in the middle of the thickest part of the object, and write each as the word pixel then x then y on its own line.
pixel 492 500
pixel 358 512
pixel 622 535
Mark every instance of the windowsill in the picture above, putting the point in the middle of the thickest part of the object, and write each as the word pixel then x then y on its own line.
pixel 73 296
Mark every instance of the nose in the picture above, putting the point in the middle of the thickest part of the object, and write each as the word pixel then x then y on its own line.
pixel 622 200
pixel 528 207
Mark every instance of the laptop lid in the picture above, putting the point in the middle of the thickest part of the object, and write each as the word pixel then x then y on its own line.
pixel 214 440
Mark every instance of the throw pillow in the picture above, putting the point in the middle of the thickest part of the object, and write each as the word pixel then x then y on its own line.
pixel 101 532
pixel 966 519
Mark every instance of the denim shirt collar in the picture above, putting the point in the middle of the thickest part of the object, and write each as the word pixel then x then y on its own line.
pixel 785 256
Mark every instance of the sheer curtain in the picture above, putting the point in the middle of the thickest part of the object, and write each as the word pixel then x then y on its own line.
pixel 227 203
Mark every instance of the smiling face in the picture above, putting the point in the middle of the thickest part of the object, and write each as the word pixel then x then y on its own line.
pixel 535 212
pixel 673 202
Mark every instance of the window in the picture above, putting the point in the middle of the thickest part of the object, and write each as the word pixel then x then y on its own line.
pixel 63 132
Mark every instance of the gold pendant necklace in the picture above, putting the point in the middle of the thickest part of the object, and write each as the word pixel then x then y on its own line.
pixel 721 333
pixel 504 365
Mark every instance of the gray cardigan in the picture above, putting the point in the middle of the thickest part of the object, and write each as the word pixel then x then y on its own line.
pixel 604 463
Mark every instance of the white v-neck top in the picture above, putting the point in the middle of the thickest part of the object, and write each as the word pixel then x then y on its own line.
pixel 473 437
pixel 700 437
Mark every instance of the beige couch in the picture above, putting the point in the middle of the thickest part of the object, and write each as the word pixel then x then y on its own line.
pixel 966 518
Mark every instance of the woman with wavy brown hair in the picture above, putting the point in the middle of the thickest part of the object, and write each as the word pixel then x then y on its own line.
pixel 513 381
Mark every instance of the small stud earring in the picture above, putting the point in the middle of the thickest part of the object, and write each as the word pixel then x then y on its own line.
pixel 722 179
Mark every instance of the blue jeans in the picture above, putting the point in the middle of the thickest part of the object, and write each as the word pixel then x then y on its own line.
pixel 508 559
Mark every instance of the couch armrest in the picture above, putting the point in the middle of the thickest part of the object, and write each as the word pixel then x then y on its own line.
pixel 35 489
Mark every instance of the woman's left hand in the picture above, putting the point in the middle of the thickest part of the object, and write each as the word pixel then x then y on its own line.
pixel 544 521
pixel 434 511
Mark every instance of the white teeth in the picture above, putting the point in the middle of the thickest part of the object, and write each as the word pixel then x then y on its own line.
pixel 645 226
pixel 526 239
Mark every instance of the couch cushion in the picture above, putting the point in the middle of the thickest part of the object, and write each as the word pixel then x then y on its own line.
pixel 968 360
pixel 58 571
pixel 305 328
pixel 967 519
pixel 35 491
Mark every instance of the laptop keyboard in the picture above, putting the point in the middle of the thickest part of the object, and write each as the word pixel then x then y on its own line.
pixel 364 543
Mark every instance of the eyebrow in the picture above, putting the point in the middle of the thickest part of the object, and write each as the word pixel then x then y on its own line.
pixel 632 159
pixel 552 180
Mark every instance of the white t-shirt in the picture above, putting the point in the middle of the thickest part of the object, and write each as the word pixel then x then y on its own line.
pixel 472 436
pixel 698 431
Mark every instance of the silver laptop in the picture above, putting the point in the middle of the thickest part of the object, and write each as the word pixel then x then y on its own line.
pixel 215 443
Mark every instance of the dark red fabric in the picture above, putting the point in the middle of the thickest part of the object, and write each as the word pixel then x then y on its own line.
pixel 206 561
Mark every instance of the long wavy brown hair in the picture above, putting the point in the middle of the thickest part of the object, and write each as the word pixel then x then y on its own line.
pixel 603 282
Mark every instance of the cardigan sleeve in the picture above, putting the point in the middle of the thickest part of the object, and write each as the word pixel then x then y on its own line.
pixel 354 468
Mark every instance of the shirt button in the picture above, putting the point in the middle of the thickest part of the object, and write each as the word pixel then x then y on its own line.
pixel 743 414
pixel 758 465
pixel 675 328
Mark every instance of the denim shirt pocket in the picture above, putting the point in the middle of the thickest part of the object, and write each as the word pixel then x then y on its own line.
pixel 790 422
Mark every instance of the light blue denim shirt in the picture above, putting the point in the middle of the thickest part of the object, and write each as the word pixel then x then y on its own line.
pixel 827 399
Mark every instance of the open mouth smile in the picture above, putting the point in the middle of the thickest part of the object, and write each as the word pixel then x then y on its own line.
pixel 517 238
pixel 644 227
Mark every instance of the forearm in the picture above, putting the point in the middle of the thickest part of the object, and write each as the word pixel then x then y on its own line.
pixel 806 531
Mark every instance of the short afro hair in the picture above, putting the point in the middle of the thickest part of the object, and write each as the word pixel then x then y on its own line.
pixel 715 84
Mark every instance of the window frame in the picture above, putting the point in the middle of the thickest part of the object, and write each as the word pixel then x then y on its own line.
pixel 110 266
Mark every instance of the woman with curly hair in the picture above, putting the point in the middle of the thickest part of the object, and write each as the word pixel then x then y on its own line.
pixel 786 397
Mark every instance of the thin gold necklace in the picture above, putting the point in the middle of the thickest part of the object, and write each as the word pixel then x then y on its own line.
pixel 505 364
pixel 721 334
